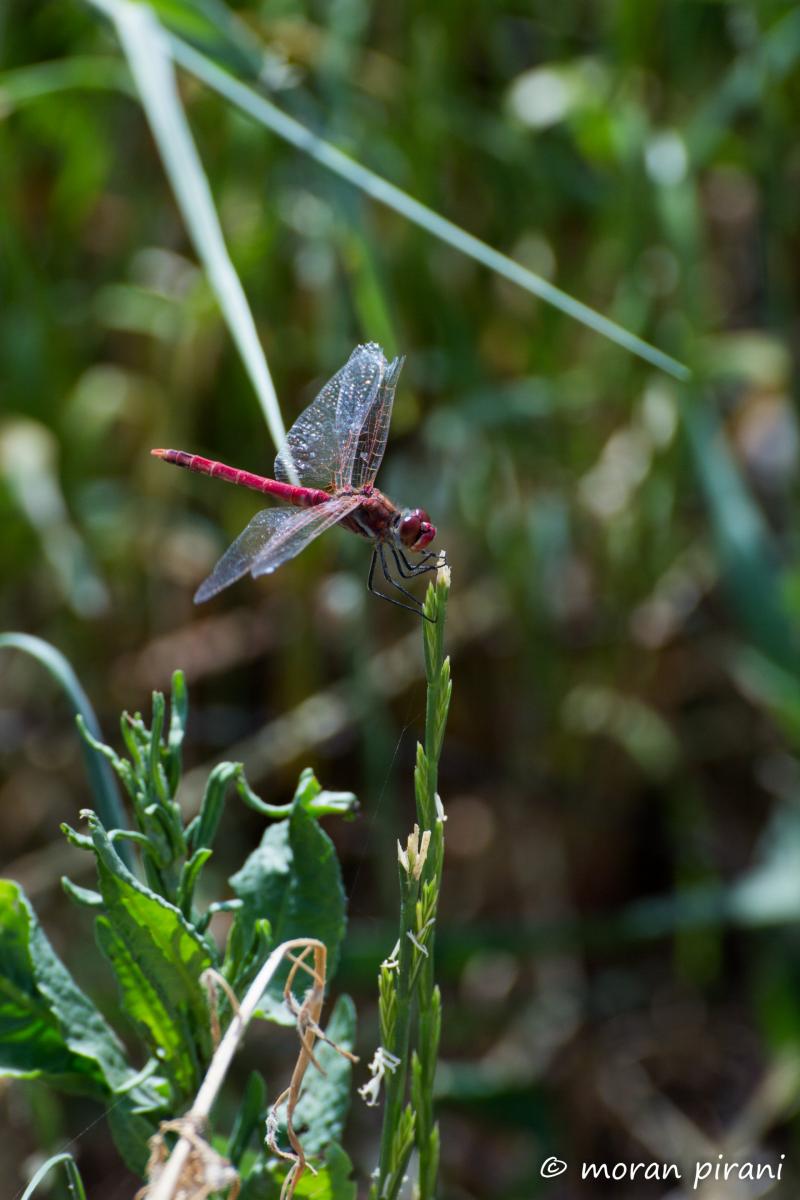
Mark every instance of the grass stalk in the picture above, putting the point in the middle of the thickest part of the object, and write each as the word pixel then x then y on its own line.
pixel 410 1002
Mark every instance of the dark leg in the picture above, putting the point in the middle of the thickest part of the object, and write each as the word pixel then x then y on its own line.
pixel 408 569
pixel 418 605
pixel 415 606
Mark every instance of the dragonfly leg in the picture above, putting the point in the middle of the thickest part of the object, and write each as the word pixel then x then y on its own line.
pixel 416 607
pixel 408 570
pixel 387 575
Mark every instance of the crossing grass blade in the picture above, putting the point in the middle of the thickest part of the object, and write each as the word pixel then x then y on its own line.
pixel 323 152
pixel 144 43
pixel 101 777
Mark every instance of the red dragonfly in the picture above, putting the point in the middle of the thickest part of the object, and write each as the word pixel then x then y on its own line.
pixel 336 446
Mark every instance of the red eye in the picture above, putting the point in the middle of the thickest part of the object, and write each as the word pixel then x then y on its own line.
pixel 415 530
pixel 410 527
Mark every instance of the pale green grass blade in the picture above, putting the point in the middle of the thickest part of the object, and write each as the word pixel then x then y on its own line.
pixel 101 777
pixel 74 1181
pixel 146 48
pixel 286 127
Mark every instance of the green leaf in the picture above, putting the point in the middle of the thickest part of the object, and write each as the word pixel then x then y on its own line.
pixel 48 1028
pixel 158 959
pixel 333 1181
pixel 293 879
pixel 85 897
pixel 190 873
pixel 325 1099
pixel 178 716
pixel 51 1031
pixel 203 828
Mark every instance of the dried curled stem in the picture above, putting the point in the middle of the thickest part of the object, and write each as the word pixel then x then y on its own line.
pixel 307 1017
pixel 172 1179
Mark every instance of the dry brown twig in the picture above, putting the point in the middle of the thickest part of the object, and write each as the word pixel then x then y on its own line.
pixel 194 1170
pixel 307 1017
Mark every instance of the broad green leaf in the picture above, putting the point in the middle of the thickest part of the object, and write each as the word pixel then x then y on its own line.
pixel 51 1031
pixel 158 959
pixel 325 1099
pixel 48 1028
pixel 293 879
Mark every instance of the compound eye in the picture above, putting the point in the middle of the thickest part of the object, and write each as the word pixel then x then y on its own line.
pixel 410 525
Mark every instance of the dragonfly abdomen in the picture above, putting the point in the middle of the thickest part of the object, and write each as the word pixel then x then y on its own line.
pixel 300 497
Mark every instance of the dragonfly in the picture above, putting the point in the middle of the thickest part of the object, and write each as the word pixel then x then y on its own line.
pixel 336 446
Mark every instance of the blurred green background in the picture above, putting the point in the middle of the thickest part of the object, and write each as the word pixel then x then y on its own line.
pixel 618 940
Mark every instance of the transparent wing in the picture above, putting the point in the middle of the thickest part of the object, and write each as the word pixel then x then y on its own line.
pixel 375 428
pixel 325 438
pixel 273 537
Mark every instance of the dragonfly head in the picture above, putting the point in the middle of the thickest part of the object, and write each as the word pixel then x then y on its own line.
pixel 414 529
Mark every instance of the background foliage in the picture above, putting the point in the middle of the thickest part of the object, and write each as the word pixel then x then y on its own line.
pixel 617 927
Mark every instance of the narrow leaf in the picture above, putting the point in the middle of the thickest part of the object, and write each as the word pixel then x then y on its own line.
pixel 147 51
pixel 286 127
pixel 104 788
pixel 74 1181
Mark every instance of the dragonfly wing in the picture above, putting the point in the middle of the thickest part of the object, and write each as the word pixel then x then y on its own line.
pixel 375 428
pixel 310 523
pixel 273 537
pixel 324 439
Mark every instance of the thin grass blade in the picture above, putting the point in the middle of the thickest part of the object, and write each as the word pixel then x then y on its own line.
pixel 292 131
pixel 75 1187
pixel 103 784
pixel 147 50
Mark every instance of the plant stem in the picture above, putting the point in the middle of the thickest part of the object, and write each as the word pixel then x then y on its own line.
pixel 399 1042
pixel 410 976
pixel 431 816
